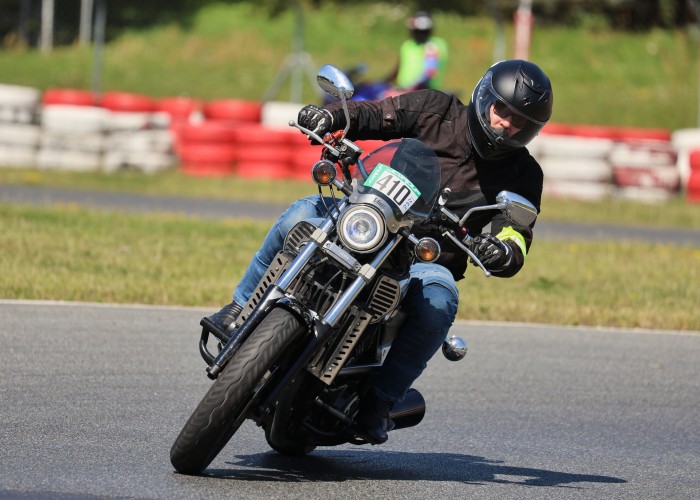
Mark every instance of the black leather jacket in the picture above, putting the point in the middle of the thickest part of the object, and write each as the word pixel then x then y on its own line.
pixel 440 121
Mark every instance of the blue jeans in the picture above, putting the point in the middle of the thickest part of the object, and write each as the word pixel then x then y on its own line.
pixel 429 295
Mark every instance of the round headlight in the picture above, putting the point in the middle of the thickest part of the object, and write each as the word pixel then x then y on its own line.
pixel 361 229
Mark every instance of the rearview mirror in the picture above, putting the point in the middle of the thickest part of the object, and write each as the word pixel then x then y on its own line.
pixel 517 208
pixel 334 82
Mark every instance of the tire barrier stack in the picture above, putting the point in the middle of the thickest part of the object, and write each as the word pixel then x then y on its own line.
pixel 248 139
pixel 71 129
pixel 594 163
pixel 19 132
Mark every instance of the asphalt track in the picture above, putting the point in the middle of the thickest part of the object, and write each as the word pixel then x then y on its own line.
pixel 92 397
pixel 220 209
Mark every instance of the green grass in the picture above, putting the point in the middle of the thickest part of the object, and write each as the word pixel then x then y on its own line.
pixel 600 76
pixel 621 284
pixel 77 255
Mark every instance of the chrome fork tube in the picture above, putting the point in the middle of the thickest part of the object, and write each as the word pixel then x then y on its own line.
pixel 307 252
pixel 366 275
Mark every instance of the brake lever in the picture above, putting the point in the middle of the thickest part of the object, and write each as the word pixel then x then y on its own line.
pixel 463 247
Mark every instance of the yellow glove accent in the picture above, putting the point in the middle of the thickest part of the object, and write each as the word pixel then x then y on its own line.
pixel 508 233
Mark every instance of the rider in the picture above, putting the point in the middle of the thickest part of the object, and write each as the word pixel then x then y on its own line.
pixel 422 58
pixel 481 150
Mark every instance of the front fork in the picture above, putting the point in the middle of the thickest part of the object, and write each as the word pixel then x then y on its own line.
pixel 272 295
pixel 275 292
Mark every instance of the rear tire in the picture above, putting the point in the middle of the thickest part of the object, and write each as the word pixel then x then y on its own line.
pixel 220 413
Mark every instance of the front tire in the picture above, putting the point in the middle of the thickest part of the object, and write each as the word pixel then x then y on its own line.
pixel 220 413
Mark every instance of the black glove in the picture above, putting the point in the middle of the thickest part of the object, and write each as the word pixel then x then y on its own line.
pixel 316 119
pixel 492 252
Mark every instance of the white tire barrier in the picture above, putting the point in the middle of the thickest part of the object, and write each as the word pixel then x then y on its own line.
pixel 580 147
pixel 67 141
pixel 279 113
pixel 76 119
pixel 158 141
pixel 581 190
pixel 144 161
pixel 75 161
pixel 17 156
pixel 18 104
pixel 15 134
pixel 126 121
pixel 574 168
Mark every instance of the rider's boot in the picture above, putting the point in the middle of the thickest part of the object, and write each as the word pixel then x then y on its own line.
pixel 373 420
pixel 226 315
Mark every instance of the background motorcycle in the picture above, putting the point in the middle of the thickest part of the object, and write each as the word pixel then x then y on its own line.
pixel 366 90
pixel 298 359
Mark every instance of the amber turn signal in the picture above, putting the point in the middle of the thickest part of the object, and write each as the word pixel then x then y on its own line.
pixel 323 172
pixel 427 250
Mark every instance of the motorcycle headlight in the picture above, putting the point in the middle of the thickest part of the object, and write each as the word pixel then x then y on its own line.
pixel 361 229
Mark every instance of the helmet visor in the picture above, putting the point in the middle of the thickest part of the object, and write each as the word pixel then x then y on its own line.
pixel 504 125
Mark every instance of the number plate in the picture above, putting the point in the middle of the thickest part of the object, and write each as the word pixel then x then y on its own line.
pixel 394 185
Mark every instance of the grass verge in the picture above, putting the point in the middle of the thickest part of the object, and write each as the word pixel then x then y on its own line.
pixel 72 254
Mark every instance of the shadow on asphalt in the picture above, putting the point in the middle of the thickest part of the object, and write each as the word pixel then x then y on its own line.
pixel 338 466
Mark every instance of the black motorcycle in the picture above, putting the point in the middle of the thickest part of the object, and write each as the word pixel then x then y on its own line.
pixel 298 359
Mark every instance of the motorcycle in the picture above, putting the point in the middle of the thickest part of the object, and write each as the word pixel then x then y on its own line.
pixel 298 359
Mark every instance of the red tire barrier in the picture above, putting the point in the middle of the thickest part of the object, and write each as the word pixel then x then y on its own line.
pixel 608 132
pixel 208 153
pixel 304 156
pixel 275 154
pixel 179 108
pixel 556 129
pixel 694 160
pixel 644 134
pixel 664 177
pixel 208 132
pixel 594 131
pixel 251 133
pixel 233 110
pixel 128 102
pixel 693 187
pixel 73 97
pixel 264 152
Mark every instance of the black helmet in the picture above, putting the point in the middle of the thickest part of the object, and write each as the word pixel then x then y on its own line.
pixel 517 89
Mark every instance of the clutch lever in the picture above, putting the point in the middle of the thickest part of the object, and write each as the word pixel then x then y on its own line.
pixel 446 214
pixel 315 137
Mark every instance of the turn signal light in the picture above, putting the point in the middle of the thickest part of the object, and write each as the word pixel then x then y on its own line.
pixel 323 172
pixel 427 250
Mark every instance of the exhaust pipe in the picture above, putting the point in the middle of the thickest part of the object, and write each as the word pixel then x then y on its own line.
pixel 409 411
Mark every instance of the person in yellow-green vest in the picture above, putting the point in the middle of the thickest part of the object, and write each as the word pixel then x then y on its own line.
pixel 422 58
